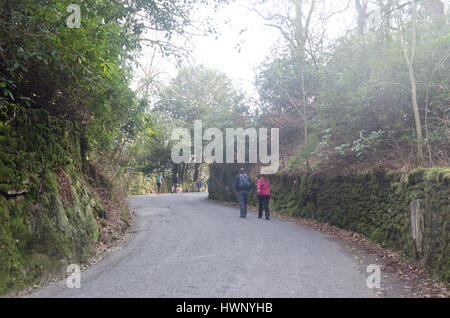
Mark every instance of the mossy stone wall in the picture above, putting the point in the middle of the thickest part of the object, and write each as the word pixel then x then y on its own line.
pixel 374 204
pixel 47 213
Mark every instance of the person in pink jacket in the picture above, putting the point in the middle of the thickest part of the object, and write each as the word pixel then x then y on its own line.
pixel 263 191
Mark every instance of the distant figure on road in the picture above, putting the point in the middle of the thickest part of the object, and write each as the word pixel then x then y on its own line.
pixel 159 182
pixel 207 185
pixel 263 191
pixel 242 185
pixel 199 185
pixel 175 182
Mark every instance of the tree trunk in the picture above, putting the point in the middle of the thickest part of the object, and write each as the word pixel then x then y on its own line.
pixel 410 63
pixel 416 114
pixel 305 114
pixel 196 172
pixel 84 147
pixel 181 174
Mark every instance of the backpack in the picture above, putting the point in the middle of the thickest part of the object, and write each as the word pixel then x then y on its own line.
pixel 244 182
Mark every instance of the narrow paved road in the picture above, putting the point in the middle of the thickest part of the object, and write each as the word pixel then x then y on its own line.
pixel 187 246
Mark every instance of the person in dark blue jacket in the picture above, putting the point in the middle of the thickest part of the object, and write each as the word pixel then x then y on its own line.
pixel 242 185
pixel 175 182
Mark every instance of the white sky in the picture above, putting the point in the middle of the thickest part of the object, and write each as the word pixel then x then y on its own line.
pixel 246 31
pixel 221 52
pixel 255 42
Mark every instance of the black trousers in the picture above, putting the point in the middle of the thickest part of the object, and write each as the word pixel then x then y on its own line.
pixel 263 205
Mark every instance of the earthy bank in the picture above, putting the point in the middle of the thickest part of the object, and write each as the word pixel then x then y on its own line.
pixel 53 204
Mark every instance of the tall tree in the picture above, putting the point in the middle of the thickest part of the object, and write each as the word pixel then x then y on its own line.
pixel 410 60
pixel 199 93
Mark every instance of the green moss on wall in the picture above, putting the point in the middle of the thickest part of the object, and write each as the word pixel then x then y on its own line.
pixel 39 234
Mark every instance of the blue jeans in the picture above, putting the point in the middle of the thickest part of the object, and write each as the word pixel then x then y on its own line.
pixel 243 198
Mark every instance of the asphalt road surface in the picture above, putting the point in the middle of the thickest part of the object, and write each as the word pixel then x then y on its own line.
pixel 186 246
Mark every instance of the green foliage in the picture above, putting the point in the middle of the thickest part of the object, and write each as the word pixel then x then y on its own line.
pixel 362 145
pixel 196 93
pixel 359 88
pixel 199 93
pixel 41 228
pixel 83 74
pixel 305 151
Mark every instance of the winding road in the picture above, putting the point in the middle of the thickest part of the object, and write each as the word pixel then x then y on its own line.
pixel 186 246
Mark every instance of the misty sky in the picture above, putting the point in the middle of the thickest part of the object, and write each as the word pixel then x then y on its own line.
pixel 243 40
